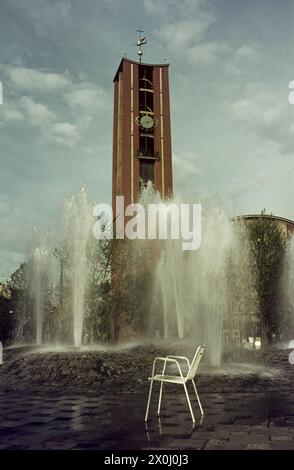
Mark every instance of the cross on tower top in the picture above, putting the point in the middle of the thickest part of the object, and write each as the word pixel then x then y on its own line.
pixel 141 40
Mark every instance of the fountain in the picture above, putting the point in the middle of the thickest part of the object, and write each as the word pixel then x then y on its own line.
pixel 287 291
pixel 193 285
pixel 76 228
pixel 39 279
pixel 56 280
pixel 194 293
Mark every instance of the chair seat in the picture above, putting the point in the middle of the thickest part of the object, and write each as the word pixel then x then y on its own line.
pixel 169 378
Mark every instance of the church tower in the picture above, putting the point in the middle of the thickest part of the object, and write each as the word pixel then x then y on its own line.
pixel 141 129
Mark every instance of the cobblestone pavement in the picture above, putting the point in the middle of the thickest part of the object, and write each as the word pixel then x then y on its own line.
pixel 110 416
pixel 71 421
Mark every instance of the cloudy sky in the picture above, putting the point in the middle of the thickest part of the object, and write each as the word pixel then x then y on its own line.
pixel 233 128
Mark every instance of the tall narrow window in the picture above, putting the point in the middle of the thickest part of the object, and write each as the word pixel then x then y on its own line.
pixel 146 88
pixel 146 145
pixel 145 77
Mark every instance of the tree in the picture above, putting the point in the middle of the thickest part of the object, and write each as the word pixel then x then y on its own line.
pixel 98 317
pixel 21 305
pixel 243 301
pixel 62 298
pixel 268 245
pixel 6 323
pixel 131 282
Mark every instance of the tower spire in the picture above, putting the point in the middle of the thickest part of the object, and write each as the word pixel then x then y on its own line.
pixel 141 40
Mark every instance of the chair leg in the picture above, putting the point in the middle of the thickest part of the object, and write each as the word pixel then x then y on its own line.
pixel 148 402
pixel 189 403
pixel 159 400
pixel 160 392
pixel 197 396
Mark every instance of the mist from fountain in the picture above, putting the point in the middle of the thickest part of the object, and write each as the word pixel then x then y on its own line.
pixel 287 290
pixel 56 280
pixel 193 290
pixel 76 228
pixel 192 287
pixel 38 277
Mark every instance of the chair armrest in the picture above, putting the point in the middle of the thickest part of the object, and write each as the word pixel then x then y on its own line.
pixel 165 360
pixel 181 358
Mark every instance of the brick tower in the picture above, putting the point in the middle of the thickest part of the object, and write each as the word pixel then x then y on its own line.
pixel 141 130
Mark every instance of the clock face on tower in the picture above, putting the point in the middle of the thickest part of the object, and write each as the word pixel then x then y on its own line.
pixel 146 121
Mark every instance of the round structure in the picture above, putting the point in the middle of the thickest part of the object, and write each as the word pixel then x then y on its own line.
pixel 286 225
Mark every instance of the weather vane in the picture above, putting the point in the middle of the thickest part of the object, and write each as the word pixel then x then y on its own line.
pixel 141 40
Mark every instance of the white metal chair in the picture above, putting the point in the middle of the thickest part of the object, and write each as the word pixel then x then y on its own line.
pixel 176 379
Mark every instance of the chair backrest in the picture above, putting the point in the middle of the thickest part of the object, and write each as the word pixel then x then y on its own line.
pixel 195 362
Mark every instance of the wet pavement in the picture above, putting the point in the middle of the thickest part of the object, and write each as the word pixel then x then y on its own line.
pixel 110 415
pixel 70 421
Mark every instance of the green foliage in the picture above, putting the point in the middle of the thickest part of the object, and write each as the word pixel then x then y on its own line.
pixel 243 301
pixel 131 285
pixel 5 318
pixel 268 245
pixel 22 322
pixel 60 322
pixel 98 315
